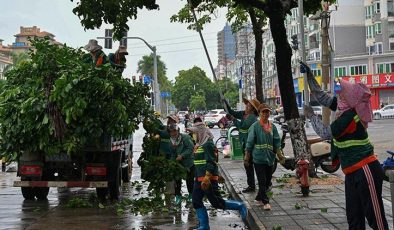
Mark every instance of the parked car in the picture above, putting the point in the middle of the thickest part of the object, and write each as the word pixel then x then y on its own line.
pixel 181 115
pixel 212 118
pixel 385 112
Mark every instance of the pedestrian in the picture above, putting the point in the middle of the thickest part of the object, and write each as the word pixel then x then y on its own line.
pixel 98 57
pixel 206 179
pixel 263 144
pixel 118 59
pixel 181 150
pixel 352 148
pixel 187 119
pixel 244 119
pixel 164 135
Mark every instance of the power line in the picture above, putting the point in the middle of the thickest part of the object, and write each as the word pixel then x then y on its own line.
pixel 173 43
pixel 176 38
pixel 173 51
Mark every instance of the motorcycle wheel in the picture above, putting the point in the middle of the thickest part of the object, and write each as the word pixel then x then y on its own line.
pixel 328 168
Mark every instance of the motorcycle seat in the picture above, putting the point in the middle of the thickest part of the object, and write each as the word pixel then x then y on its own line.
pixel 314 140
pixel 390 152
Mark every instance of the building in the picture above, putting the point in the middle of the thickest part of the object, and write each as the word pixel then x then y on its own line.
pixel 226 50
pixel 22 43
pixel 5 58
pixel 362 38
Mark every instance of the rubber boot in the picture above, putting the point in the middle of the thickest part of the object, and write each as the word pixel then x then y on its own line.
pixel 237 205
pixel 202 216
pixel 178 199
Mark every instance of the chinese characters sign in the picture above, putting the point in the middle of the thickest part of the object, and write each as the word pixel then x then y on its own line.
pixel 373 80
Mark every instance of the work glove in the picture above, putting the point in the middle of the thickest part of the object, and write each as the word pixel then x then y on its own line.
pixel 206 182
pixel 304 68
pixel 308 111
pixel 281 157
pixel 246 158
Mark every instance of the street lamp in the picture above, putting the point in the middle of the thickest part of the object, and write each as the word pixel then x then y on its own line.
pixel 156 89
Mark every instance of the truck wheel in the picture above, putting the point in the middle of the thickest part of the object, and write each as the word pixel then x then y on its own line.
pixel 102 193
pixel 115 185
pixel 126 174
pixel 41 192
pixel 27 193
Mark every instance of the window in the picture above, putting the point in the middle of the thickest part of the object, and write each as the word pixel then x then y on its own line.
pixel 384 67
pixel 316 72
pixel 370 31
pixel 371 50
pixel 378 28
pixel 358 69
pixel 369 11
pixel 391 45
pixel 340 71
pixel 379 48
pixel 377 7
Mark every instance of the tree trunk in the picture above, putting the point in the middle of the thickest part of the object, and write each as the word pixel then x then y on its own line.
pixel 257 26
pixel 283 54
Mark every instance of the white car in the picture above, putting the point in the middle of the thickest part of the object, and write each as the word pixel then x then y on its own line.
pixel 385 112
pixel 212 118
pixel 181 115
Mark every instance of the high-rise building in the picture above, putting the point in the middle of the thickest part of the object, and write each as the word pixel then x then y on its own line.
pixel 226 50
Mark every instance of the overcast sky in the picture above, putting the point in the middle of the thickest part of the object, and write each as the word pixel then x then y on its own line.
pixel 178 47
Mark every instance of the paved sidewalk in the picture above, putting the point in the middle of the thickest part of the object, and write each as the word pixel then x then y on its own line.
pixel 323 209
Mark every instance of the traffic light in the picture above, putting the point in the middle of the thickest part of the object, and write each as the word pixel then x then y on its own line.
pixel 133 80
pixel 123 41
pixel 108 41
pixel 141 79
pixel 294 41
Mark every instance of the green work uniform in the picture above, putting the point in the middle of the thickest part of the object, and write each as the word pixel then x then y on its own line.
pixel 243 124
pixel 205 160
pixel 184 149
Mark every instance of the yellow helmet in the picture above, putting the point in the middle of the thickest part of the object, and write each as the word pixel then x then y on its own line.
pixel 157 114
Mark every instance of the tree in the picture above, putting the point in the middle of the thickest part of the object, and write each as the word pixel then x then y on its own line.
pixel 145 67
pixel 239 15
pixel 197 102
pixel 17 59
pixel 187 83
pixel 230 90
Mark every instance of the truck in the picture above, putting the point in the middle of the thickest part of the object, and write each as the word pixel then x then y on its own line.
pixel 103 166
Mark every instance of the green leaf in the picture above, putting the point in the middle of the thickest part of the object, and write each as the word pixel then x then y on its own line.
pixel 45 120
pixel 101 205
pixel 323 209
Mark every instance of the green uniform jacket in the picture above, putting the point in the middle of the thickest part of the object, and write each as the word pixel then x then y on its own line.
pixel 205 160
pixel 164 146
pixel 262 145
pixel 243 124
pixel 351 143
pixel 184 149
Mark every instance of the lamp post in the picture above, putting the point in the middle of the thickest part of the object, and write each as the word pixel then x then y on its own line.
pixel 156 89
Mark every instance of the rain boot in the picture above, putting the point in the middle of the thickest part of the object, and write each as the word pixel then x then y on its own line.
pixel 178 199
pixel 237 205
pixel 202 216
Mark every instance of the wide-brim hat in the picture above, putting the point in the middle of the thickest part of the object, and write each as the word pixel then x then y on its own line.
pixel 123 50
pixel 254 102
pixel 174 118
pixel 92 46
pixel 263 107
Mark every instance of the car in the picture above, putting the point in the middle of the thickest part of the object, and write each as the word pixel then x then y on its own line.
pixel 212 118
pixel 181 115
pixel 385 112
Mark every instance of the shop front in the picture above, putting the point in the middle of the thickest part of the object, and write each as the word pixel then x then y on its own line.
pixel 381 86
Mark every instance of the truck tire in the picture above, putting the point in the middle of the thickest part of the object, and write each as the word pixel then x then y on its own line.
pixel 28 193
pixel 126 175
pixel 41 193
pixel 115 175
pixel 102 193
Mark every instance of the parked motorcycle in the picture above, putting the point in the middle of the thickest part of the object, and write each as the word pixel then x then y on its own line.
pixel 320 150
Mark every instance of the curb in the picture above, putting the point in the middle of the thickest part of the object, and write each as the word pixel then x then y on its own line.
pixel 252 220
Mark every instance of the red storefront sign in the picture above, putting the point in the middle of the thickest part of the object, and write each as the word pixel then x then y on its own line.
pixel 373 80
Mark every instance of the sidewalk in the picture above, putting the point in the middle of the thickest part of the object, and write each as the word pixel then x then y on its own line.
pixel 323 209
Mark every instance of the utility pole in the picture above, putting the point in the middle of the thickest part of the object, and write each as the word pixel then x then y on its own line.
pixel 325 15
pixel 302 51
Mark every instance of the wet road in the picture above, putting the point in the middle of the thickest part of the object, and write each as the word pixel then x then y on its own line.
pixel 16 213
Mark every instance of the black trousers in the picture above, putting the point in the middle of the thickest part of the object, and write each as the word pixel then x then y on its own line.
pixel 189 182
pixel 249 170
pixel 264 176
pixel 363 191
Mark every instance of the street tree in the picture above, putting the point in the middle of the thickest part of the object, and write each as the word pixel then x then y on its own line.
pixel 239 16
pixel 197 102
pixel 230 90
pixel 145 67
pixel 187 83
pixel 17 59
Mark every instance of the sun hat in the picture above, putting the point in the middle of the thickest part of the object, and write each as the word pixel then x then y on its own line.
pixel 263 107
pixel 123 49
pixel 254 102
pixel 173 117
pixel 92 46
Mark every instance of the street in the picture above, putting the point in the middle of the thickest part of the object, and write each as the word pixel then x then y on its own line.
pixel 16 213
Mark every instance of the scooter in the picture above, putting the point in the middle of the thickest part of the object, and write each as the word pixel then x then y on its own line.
pixel 388 164
pixel 320 150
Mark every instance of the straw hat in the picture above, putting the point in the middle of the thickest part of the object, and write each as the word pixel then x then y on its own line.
pixel 174 118
pixel 254 102
pixel 92 46
pixel 123 49
pixel 263 107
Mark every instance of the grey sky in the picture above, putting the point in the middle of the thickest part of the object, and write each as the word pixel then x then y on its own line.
pixel 56 16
